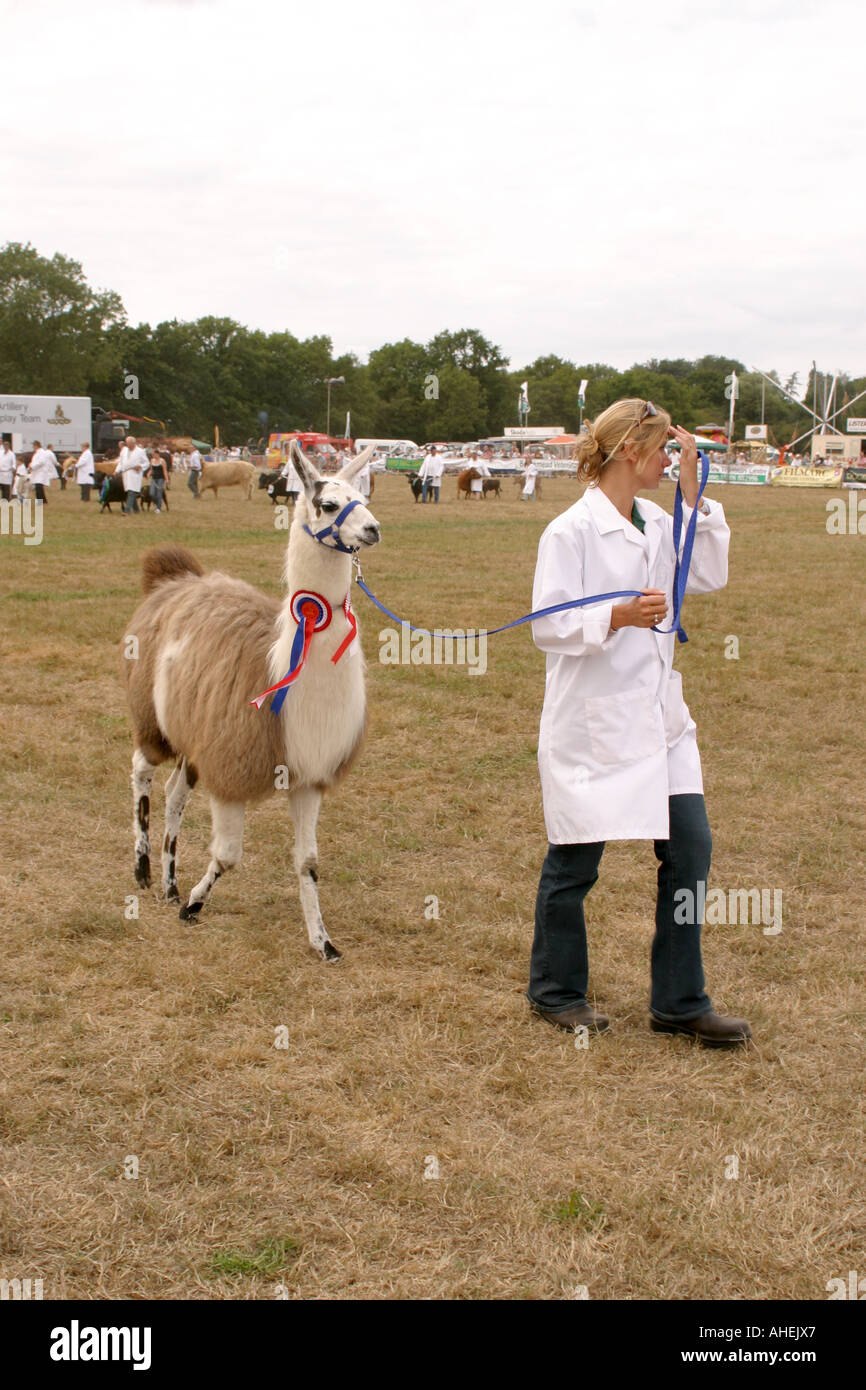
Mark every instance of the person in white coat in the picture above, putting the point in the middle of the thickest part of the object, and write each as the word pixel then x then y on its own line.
pixel 130 468
pixel 42 471
pixel 477 484
pixel 292 478
pixel 617 750
pixel 84 471
pixel 8 465
pixel 431 475
pixel 530 473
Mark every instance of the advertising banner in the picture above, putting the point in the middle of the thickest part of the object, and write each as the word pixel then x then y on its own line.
pixel 737 473
pixel 808 477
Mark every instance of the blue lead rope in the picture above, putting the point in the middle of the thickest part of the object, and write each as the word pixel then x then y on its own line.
pixel 681 577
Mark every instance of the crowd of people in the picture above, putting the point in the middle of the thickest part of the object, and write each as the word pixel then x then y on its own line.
pixel 19 480
pixel 478 460
pixel 133 465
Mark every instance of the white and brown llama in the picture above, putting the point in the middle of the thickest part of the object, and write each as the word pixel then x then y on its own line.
pixel 207 645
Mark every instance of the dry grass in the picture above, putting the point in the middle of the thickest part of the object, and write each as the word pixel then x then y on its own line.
pixel 304 1167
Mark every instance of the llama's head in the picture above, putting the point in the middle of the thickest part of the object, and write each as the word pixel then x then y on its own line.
pixel 326 500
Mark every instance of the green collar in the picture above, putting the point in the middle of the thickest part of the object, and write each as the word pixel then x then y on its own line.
pixel 636 519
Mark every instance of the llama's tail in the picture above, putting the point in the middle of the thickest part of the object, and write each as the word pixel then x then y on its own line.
pixel 166 562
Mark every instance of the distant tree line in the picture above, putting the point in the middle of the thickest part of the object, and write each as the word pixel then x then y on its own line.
pixel 57 335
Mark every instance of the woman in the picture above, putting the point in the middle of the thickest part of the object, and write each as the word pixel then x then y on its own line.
pixel 617 750
pixel 530 473
pixel 481 472
pixel 158 479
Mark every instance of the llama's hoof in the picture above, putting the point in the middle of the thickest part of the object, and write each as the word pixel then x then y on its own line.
pixel 171 894
pixel 142 871
pixel 189 912
pixel 330 952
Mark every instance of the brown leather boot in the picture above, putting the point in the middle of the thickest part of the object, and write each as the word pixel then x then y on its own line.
pixel 710 1029
pixel 582 1015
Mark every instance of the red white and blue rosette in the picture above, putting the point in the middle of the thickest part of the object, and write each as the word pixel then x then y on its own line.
pixel 312 613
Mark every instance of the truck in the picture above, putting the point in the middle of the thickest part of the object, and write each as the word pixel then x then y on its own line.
pixel 64 423
pixel 61 422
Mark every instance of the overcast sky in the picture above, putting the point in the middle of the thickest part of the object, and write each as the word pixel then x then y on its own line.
pixel 605 181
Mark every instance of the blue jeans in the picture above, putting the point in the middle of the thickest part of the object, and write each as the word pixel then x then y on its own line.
pixel 157 491
pixel 131 501
pixel 425 489
pixel 559 967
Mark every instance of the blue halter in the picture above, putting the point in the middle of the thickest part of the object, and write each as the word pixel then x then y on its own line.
pixel 333 529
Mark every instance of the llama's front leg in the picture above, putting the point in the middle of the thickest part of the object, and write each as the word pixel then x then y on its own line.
pixel 177 790
pixel 142 782
pixel 304 803
pixel 226 849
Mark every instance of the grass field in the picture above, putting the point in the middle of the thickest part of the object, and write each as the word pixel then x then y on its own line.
pixel 301 1169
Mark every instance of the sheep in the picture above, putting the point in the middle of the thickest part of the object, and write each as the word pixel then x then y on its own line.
pixel 229 473
pixel 205 644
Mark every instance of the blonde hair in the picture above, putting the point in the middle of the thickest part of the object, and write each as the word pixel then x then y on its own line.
pixel 602 438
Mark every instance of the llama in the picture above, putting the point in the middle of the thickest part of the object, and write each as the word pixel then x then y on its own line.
pixel 229 473
pixel 207 645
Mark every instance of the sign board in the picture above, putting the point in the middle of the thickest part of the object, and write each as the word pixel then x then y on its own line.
pixel 533 431
pixel 756 431
pixel 856 424
pixel 736 473
pixel 808 477
pixel 62 422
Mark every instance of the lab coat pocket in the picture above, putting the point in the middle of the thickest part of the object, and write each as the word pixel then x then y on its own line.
pixel 625 727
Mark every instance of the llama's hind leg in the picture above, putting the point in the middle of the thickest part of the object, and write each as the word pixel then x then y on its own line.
pixel 304 803
pixel 177 791
pixel 226 850
pixel 142 782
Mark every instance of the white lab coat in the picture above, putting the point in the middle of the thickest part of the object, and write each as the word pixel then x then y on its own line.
pixel 480 466
pixel 84 467
pixel 8 465
pixel 616 738
pixel 130 468
pixel 530 473
pixel 43 468
pixel 292 477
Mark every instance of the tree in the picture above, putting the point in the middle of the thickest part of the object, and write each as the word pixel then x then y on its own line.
pixel 55 331
pixel 471 352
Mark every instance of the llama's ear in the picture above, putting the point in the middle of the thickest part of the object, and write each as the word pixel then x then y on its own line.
pixel 349 472
pixel 306 469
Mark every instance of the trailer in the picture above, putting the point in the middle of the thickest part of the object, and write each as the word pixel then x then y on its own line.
pixel 62 423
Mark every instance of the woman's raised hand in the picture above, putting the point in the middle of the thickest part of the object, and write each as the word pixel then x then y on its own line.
pixel 688 463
